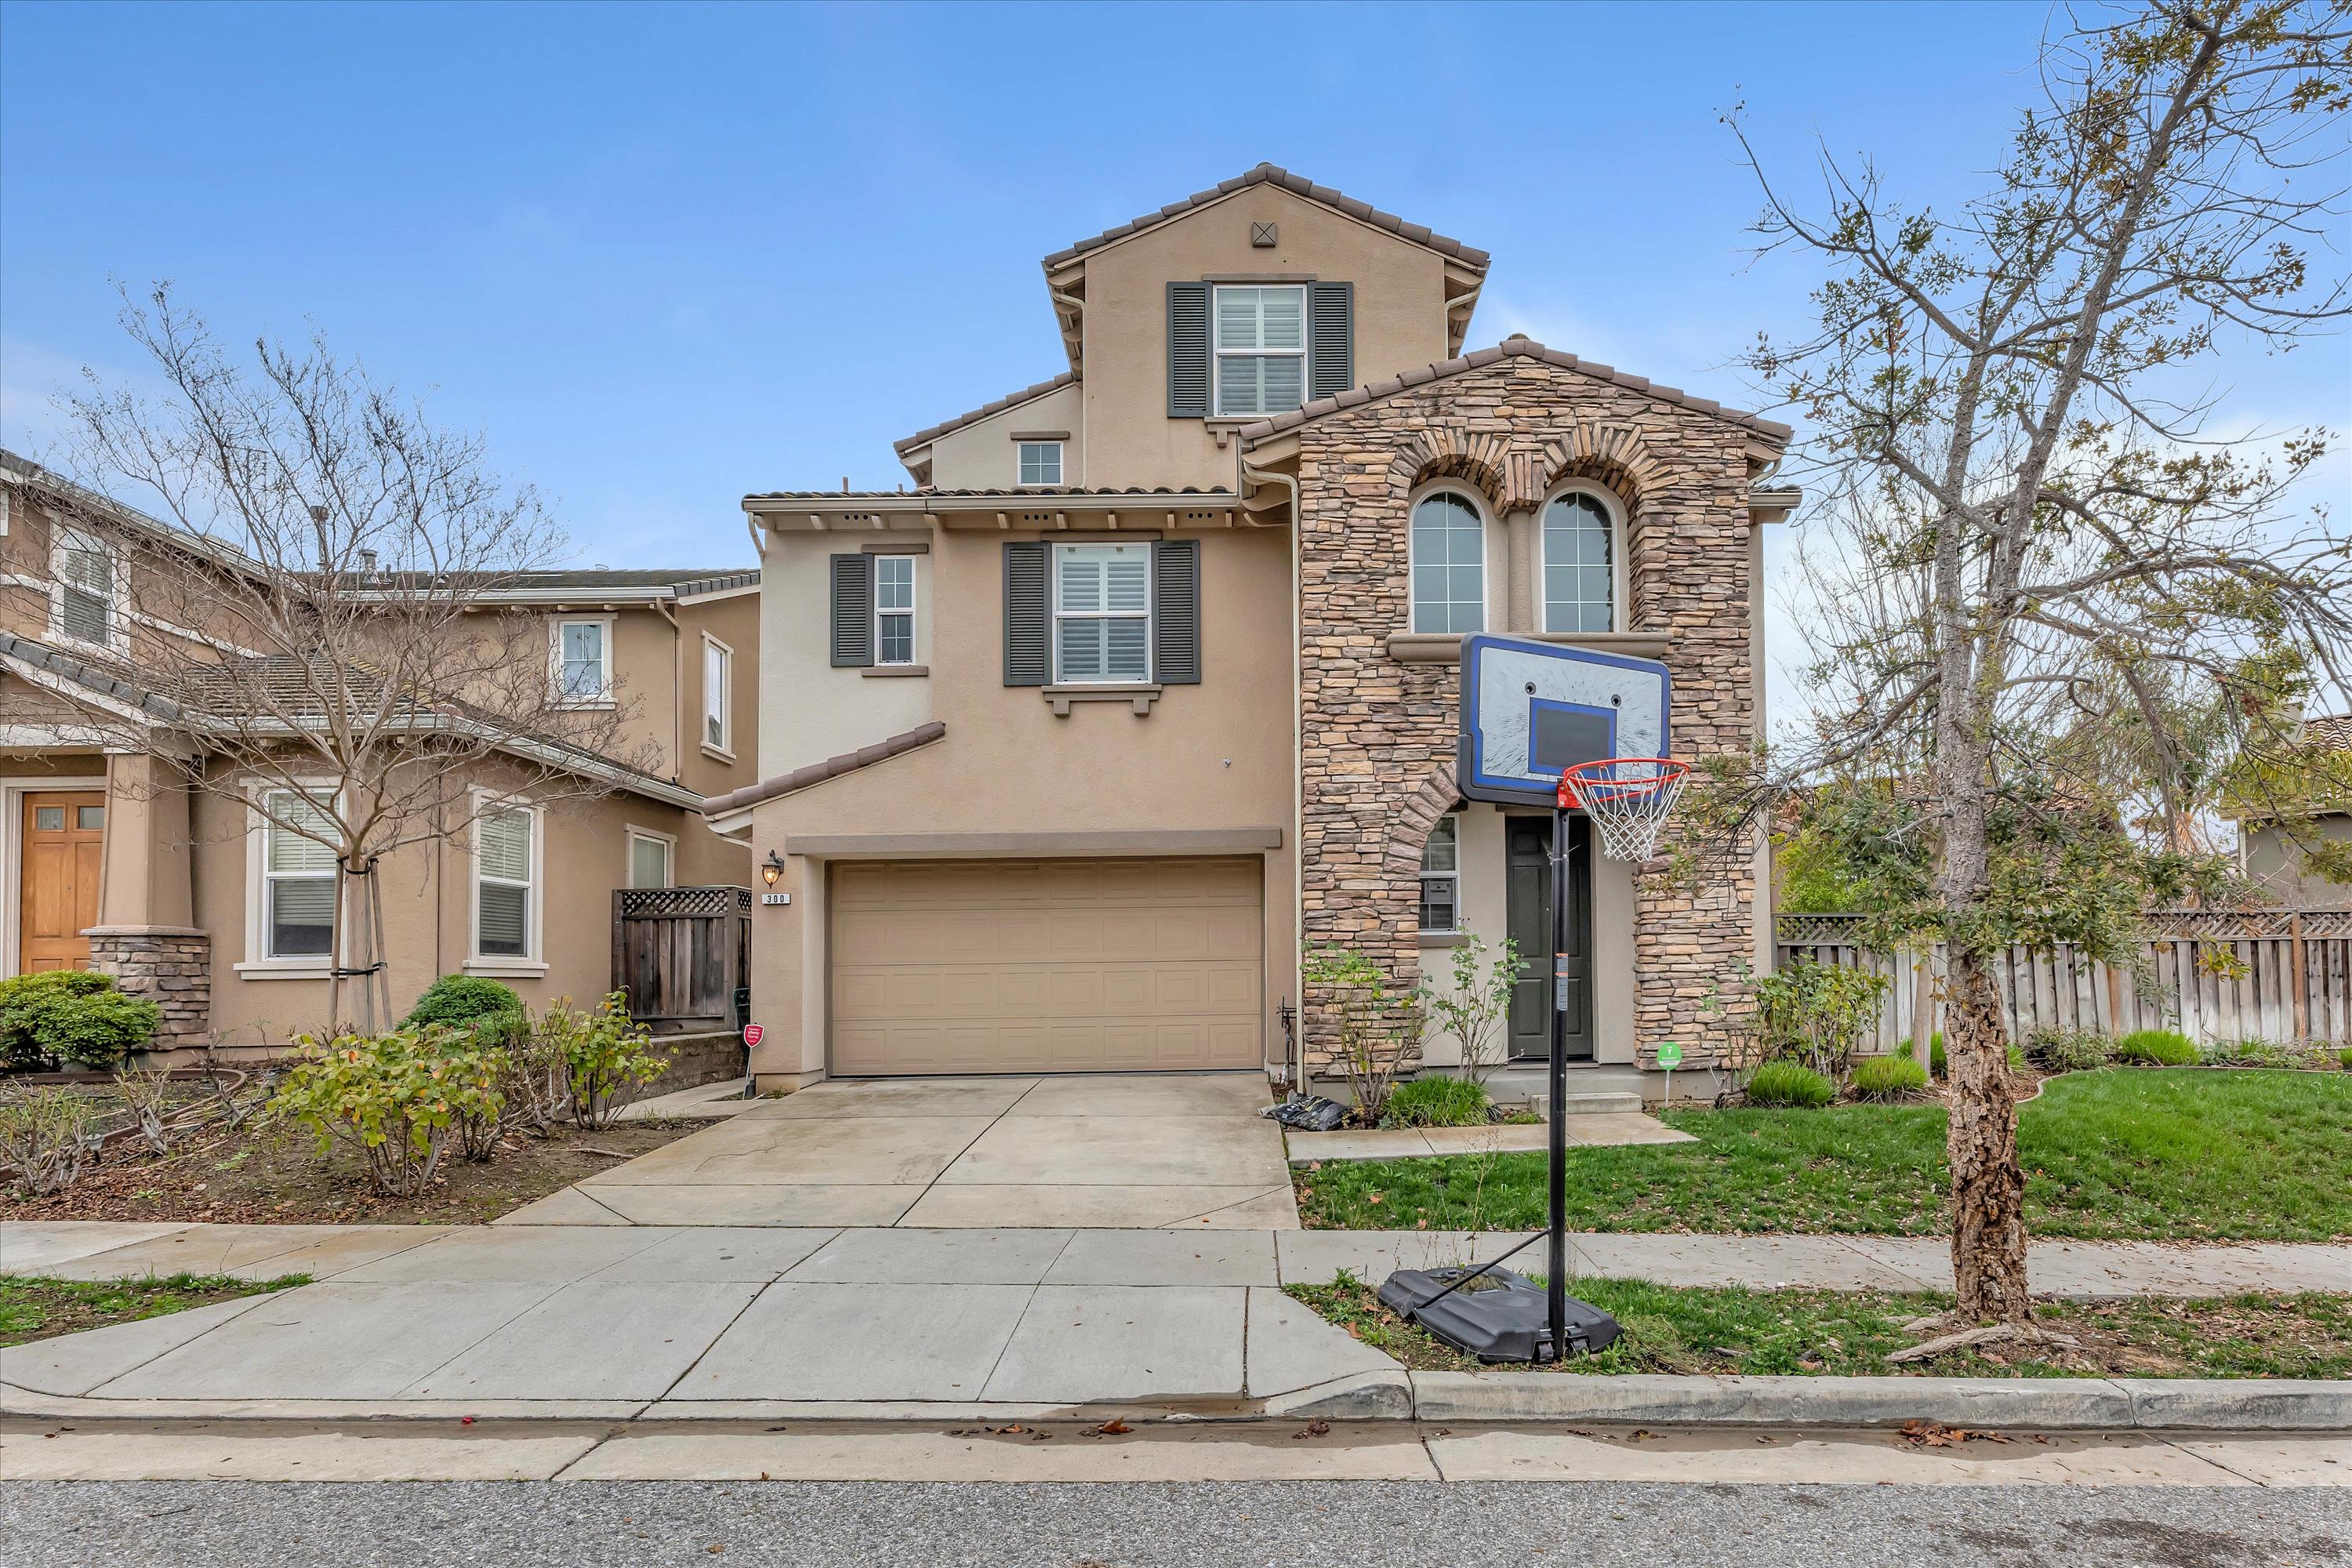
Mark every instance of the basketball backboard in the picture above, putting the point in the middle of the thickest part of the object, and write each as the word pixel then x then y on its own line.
pixel 1530 709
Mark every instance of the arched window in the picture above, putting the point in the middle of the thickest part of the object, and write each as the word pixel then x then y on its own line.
pixel 1449 565
pixel 1579 566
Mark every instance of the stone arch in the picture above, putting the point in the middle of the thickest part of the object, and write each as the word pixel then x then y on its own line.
pixel 1451 452
pixel 1412 818
pixel 1614 455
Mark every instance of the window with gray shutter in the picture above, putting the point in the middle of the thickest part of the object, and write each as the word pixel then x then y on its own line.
pixel 1331 339
pixel 852 611
pixel 1025 613
pixel 1176 612
pixel 1188 351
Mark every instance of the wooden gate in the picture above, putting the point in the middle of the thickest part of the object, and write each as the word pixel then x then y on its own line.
pixel 683 955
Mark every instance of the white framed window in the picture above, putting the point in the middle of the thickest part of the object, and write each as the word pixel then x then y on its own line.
pixel 85 585
pixel 507 892
pixel 718 695
pixel 1579 565
pixel 1041 462
pixel 894 609
pixel 1449 564
pixel 1441 878
pixel 583 654
pixel 1102 614
pixel 649 859
pixel 294 900
pixel 1261 347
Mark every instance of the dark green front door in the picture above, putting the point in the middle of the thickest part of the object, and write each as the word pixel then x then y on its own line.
pixel 1526 848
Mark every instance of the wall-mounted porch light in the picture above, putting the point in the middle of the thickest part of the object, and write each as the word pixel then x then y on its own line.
pixel 772 869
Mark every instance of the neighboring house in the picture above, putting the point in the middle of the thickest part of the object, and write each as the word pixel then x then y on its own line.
pixel 1151 679
pixel 2273 859
pixel 111 863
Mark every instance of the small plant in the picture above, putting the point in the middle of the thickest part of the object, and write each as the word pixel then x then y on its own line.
pixel 45 1133
pixel 70 1015
pixel 1473 1010
pixel 2344 1058
pixel 1374 1028
pixel 490 1011
pixel 1935 1054
pixel 536 1082
pixel 1790 1083
pixel 606 1056
pixel 396 1099
pixel 1815 1013
pixel 1437 1102
pixel 147 1096
pixel 1888 1079
pixel 2056 1050
pixel 2156 1048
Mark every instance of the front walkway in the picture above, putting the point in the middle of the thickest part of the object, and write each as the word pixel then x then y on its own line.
pixel 1103 1150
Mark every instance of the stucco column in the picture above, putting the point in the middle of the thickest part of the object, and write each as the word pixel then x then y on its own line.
pixel 1520 595
pixel 146 936
pixel 788 966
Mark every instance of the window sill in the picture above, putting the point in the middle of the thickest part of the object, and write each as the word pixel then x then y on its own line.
pixel 1141 696
pixel 585 703
pixel 281 969
pixel 1446 648
pixel 505 968
pixel 894 671
pixel 720 753
pixel 1444 938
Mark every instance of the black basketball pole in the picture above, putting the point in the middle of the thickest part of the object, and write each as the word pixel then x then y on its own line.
pixel 1556 1286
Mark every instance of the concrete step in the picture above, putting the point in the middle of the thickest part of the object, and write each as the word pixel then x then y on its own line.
pixel 1598 1103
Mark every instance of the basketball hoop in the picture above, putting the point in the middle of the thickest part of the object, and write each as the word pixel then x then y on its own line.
pixel 1628 799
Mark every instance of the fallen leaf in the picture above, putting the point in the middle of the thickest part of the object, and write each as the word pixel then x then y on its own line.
pixel 1113 1427
pixel 1312 1429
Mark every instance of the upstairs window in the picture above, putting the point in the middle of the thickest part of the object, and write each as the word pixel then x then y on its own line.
pixel 583 661
pixel 649 860
pixel 1578 565
pixel 718 694
pixel 1441 878
pixel 1041 462
pixel 894 609
pixel 504 857
pixel 1449 565
pixel 1102 613
pixel 1261 349
pixel 298 875
pixel 82 591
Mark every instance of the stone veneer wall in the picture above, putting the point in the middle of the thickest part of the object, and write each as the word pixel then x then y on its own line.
pixel 169 965
pixel 1377 735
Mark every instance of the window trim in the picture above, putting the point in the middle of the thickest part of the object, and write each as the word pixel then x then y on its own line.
pixel 555 626
pixel 913 612
pixel 1614 510
pixel 629 836
pixel 1218 352
pixel 724 747
pixel 1061 464
pixel 532 962
pixel 259 964
pixel 1455 876
pixel 1477 504
pixel 1054 617
pixel 62 539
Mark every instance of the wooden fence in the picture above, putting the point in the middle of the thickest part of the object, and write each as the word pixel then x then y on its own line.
pixel 2215 975
pixel 683 955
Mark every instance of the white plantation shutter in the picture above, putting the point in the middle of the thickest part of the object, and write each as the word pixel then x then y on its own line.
pixel 1102 612
pixel 85 593
pixel 1261 349
pixel 298 877
pixel 503 872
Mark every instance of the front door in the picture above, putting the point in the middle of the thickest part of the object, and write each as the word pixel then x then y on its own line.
pixel 59 900
pixel 1526 842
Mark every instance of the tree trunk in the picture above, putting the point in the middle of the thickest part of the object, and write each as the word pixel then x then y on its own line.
pixel 1988 1188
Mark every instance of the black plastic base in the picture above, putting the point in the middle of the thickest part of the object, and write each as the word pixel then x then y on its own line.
pixel 1498 1317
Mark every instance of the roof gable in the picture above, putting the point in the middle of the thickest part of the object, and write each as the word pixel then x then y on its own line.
pixel 1297 185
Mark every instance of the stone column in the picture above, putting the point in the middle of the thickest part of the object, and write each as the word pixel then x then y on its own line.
pixel 145 937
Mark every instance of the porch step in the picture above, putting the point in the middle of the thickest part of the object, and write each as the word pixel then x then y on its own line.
pixel 1598 1104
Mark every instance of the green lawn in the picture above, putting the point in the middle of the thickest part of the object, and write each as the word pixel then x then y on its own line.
pixel 2124 1154
pixel 39 1307
pixel 1850 1333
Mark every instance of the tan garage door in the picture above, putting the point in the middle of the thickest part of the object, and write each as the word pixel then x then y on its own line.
pixel 978 967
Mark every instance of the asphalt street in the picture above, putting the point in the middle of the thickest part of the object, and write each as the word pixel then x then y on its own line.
pixel 646 1524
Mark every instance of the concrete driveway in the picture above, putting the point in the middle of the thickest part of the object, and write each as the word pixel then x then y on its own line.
pixel 1093 1151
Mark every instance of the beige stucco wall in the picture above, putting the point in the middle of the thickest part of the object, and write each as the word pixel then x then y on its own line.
pixel 982 454
pixel 812 711
pixel 1212 756
pixel 734 620
pixel 1399 320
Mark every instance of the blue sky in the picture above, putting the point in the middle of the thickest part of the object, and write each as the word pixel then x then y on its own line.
pixel 662 256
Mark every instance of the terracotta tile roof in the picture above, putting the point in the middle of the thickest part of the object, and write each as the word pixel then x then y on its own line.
pixel 1027 492
pixel 2330 732
pixel 831 768
pixel 1509 348
pixel 932 432
pixel 1298 184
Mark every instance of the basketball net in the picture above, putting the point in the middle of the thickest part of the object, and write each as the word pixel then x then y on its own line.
pixel 1629 800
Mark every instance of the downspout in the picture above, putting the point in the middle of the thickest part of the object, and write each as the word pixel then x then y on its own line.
pixel 1297 1067
pixel 1461 300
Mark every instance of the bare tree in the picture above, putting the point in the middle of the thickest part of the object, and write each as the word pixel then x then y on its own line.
pixel 2039 522
pixel 320 630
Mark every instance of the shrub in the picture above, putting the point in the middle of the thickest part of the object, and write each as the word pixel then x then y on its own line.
pixel 70 1015
pixel 2156 1048
pixel 1437 1102
pixel 605 1053
pixel 1888 1077
pixel 1792 1084
pixel 45 1133
pixel 2057 1050
pixel 396 1099
pixel 148 1097
pixel 1815 1013
pixel 490 1011
pixel 1373 1028
pixel 2344 1058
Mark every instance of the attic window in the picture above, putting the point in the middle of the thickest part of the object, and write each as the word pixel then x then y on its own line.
pixel 1041 462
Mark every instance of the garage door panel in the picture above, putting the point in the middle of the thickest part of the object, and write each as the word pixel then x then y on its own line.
pixel 1012 966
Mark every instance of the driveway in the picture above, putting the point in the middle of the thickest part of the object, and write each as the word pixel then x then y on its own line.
pixel 1094 1151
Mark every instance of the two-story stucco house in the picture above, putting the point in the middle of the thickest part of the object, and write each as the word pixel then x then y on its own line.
pixel 1150 678
pixel 113 860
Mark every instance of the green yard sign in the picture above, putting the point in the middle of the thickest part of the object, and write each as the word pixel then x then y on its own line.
pixel 1670 1056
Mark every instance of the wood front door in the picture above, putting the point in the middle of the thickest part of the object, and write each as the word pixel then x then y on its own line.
pixel 59 871
pixel 1528 890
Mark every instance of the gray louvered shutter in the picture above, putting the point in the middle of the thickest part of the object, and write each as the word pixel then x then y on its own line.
pixel 1176 612
pixel 1026 620
pixel 1330 339
pixel 1188 351
pixel 852 611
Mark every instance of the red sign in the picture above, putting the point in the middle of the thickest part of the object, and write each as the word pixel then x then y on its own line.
pixel 753 1033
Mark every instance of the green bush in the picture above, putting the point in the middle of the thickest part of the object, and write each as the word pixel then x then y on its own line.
pixel 395 1099
pixel 2344 1058
pixel 1790 1084
pixel 2066 1051
pixel 1437 1102
pixel 1888 1077
pixel 2155 1048
pixel 70 1015
pixel 1815 1013
pixel 1935 1054
pixel 490 1011
pixel 607 1055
